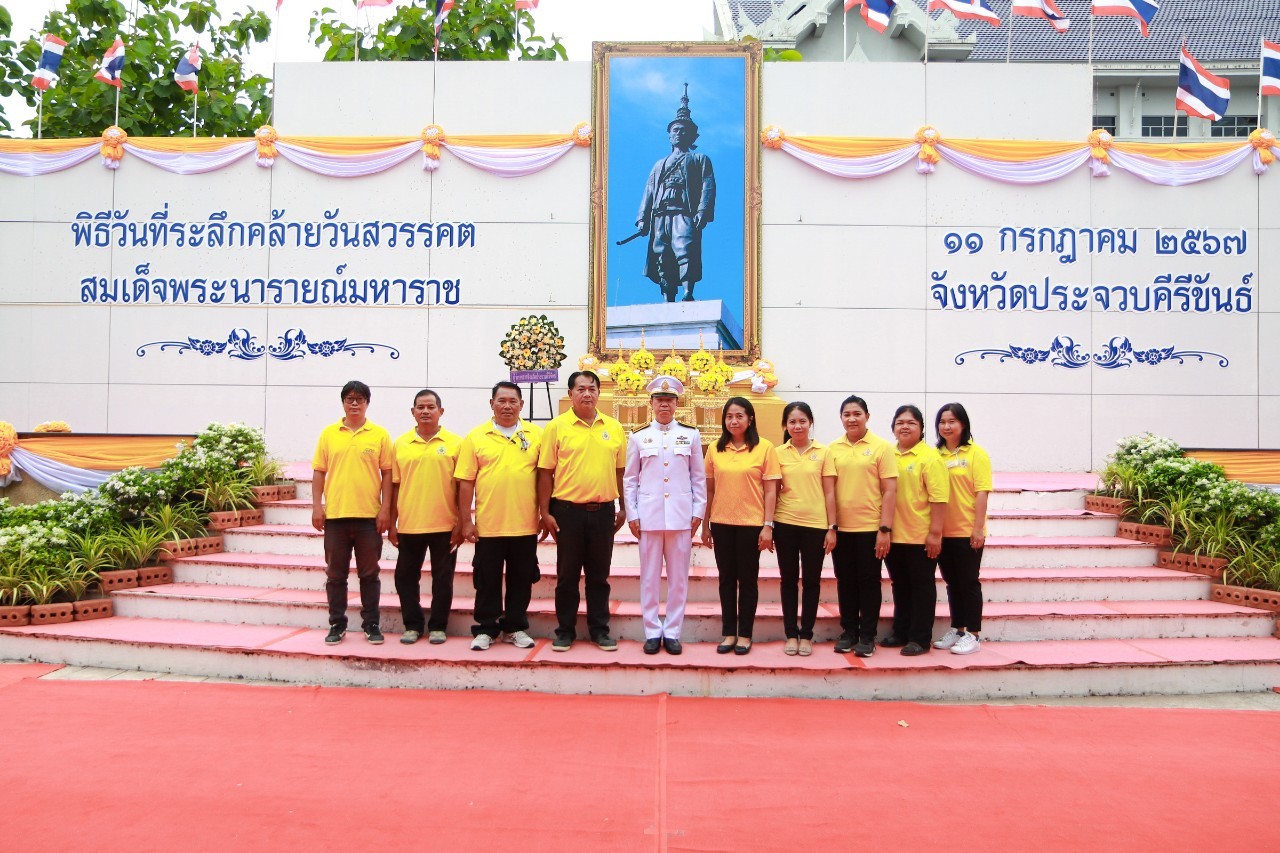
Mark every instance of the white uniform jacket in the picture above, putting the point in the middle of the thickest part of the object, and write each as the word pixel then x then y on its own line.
pixel 664 485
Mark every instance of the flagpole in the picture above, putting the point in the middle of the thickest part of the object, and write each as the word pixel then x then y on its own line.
pixel 844 31
pixel 117 121
pixel 1091 42
pixel 1261 49
pixel 195 100
pixel 40 117
pixel 1008 45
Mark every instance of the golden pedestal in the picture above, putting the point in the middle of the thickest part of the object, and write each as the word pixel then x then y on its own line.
pixel 703 412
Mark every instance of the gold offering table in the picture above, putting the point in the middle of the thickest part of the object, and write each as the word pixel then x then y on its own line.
pixel 696 409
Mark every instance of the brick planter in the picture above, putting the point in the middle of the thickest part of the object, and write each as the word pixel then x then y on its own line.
pixel 1263 599
pixel 209 545
pixel 234 518
pixel 15 615
pixel 1152 534
pixel 177 548
pixel 93 608
pixel 1107 504
pixel 265 494
pixel 288 491
pixel 1194 563
pixel 50 614
pixel 120 579
pixel 155 575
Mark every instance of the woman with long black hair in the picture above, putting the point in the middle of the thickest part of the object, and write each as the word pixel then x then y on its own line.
pixel 964 530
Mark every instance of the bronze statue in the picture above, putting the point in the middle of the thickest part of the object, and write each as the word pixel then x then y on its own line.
pixel 679 201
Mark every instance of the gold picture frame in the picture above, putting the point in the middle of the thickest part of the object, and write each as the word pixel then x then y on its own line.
pixel 637 89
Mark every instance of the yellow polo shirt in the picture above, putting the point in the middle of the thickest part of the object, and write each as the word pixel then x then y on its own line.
pixel 353 462
pixel 969 470
pixel 800 498
pixel 585 457
pixel 858 468
pixel 739 476
pixel 427 501
pixel 922 480
pixel 505 471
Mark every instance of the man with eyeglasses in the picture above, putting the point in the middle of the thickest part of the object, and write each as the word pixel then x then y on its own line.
pixel 351 505
pixel 497 467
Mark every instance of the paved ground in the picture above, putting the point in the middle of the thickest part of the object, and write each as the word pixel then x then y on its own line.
pixel 1269 701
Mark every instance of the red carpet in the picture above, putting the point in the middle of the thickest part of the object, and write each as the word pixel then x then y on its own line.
pixel 137 766
pixel 12 673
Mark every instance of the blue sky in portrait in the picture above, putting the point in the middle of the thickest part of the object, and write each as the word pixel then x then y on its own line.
pixel 644 93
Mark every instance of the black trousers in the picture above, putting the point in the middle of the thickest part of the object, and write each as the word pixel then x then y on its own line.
pixel 960 563
pixel 857 583
pixel 737 550
pixel 584 547
pixel 413 551
pixel 915 596
pixel 800 557
pixel 344 537
pixel 495 615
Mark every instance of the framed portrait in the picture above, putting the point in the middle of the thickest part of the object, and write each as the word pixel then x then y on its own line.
pixel 675 198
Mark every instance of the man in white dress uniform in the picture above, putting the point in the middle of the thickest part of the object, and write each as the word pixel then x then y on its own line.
pixel 665 492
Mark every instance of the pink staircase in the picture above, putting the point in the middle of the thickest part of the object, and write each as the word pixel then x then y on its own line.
pixel 1071 610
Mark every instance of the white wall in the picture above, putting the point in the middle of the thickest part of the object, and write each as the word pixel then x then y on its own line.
pixel 846 268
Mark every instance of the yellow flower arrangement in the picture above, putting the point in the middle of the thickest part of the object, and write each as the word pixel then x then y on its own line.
pixel 589 362
pixel 710 382
pixel 53 426
pixel 726 372
pixel 619 367
pixel 534 343
pixel 674 366
pixel 701 361
pixel 631 382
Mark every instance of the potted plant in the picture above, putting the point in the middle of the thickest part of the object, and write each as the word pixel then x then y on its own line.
pixel 1209 542
pixel 75 586
pixel 41 584
pixel 264 474
pixel 227 498
pixel 96 554
pixel 14 611
pixel 136 547
pixel 1252 578
pixel 179 525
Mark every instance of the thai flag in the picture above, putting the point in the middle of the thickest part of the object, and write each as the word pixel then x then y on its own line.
pixel 875 12
pixel 526 5
pixel 1046 9
pixel 51 48
pixel 977 9
pixel 112 64
pixel 1270 68
pixel 1200 93
pixel 364 3
pixel 1142 10
pixel 443 7
pixel 188 73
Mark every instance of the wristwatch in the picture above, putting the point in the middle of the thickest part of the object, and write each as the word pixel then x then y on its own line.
pixel 884 529
pixel 768 524
pixel 836 528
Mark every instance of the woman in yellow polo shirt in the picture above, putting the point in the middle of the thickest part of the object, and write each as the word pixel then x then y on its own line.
pixel 917 534
pixel 964 532
pixel 860 484
pixel 801 524
pixel 742 491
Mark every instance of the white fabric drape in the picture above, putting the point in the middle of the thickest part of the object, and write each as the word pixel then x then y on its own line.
pixel 192 163
pixel 1178 173
pixel 1030 172
pixel 56 475
pixel 28 165
pixel 861 167
pixel 509 162
pixel 347 165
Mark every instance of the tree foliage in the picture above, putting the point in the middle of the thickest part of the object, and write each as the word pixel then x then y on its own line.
pixel 475 29
pixel 232 102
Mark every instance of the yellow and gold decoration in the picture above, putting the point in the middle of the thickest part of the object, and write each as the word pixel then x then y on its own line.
pixel 8 441
pixel 534 343
pixel 266 138
pixel 762 378
pixel 674 366
pixel 590 362
pixel 112 150
pixel 1263 141
pixel 701 361
pixel 582 134
pixel 53 426
pixel 642 361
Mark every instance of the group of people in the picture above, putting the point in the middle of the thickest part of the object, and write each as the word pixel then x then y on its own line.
pixel 860 498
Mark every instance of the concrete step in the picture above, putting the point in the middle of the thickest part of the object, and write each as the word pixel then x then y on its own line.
pixel 1000 552
pixel 1005 522
pixel 293 655
pixel 1020 621
pixel 1069 583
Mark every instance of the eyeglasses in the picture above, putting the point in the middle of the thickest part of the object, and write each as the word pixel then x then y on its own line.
pixel 354 401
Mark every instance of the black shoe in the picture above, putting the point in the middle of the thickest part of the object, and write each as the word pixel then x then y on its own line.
pixel 741 649
pixel 672 645
pixel 913 649
pixel 893 641
pixel 844 644
pixel 373 635
pixel 335 635
pixel 562 643
pixel 606 643
pixel 653 645
pixel 865 648
pixel 726 647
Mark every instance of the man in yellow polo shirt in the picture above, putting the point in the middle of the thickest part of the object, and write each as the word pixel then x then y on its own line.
pixel 498 466
pixel 424 516
pixel 351 484
pixel 584 452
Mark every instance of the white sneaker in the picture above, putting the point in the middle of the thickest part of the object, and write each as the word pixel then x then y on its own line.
pixel 480 642
pixel 966 645
pixel 948 639
pixel 519 639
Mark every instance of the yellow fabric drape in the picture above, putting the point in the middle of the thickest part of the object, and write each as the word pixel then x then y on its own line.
pixel 45 146
pixel 527 140
pixel 1250 466
pixel 1012 150
pixel 1179 151
pixel 348 144
pixel 849 146
pixel 188 145
pixel 105 452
